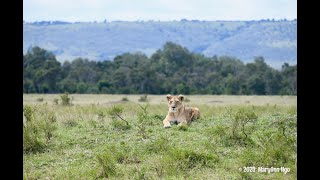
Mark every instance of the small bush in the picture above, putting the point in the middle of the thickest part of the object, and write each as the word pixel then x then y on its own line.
pixel 124 99
pixel 38 129
pixel 245 117
pixel 239 121
pixel 116 113
pixel 143 115
pixel 65 99
pixel 143 98
pixel 40 99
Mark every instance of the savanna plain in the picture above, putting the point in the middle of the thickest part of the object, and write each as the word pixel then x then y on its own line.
pixel 84 136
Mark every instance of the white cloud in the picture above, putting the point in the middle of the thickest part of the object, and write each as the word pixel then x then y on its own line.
pixel 90 10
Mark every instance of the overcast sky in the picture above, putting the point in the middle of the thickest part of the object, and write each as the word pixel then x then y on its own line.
pixel 163 10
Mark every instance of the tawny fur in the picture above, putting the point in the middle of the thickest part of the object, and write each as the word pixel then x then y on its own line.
pixel 178 112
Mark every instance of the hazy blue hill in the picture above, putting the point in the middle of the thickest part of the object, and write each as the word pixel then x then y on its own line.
pixel 274 40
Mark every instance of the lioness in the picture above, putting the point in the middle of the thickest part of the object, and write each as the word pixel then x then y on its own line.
pixel 178 112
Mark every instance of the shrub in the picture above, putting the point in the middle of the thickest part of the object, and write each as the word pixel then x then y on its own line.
pixel 115 113
pixel 143 98
pixel 40 99
pixel 65 99
pixel 37 129
pixel 144 119
pixel 143 115
pixel 124 99
pixel 244 117
pixel 238 122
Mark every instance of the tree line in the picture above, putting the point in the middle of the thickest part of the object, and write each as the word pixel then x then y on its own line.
pixel 172 69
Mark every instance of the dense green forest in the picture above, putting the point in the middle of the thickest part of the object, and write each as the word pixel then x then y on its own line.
pixel 172 69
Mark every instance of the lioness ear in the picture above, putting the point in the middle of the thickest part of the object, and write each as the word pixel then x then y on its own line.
pixel 169 97
pixel 181 97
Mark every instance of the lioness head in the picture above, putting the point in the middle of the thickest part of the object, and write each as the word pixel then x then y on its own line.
pixel 174 102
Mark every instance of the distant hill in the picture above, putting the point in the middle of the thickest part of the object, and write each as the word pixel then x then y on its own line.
pixel 276 41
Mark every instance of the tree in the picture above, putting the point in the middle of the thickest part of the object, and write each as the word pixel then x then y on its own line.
pixel 171 69
pixel 289 82
pixel 42 69
pixel 256 85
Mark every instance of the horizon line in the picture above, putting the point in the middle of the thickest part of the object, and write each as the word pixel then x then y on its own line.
pixel 153 20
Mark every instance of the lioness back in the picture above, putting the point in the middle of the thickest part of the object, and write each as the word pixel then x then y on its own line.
pixel 194 113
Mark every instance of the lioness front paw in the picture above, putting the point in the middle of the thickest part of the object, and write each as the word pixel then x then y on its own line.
pixel 167 126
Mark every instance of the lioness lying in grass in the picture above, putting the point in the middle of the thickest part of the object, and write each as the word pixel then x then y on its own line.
pixel 178 112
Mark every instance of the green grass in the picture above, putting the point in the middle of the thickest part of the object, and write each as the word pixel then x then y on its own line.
pixel 88 142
